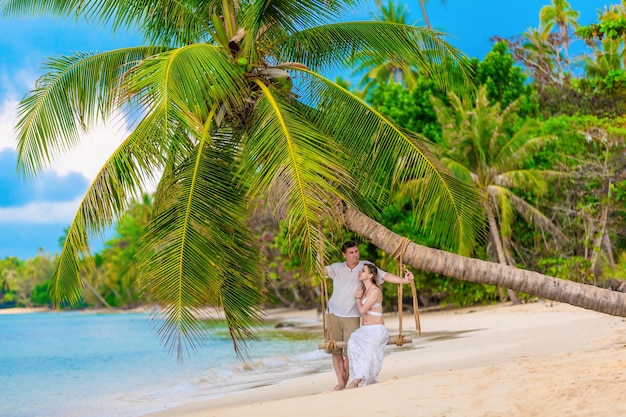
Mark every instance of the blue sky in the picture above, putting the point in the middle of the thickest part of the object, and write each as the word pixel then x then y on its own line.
pixel 34 214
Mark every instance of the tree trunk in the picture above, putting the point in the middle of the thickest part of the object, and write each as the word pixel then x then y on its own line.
pixel 95 292
pixel 482 272
pixel 497 241
pixel 424 13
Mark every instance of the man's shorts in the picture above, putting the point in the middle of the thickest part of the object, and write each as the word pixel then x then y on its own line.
pixel 341 329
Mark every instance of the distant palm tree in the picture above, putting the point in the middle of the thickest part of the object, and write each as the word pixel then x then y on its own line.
pixel 562 15
pixel 609 54
pixel 396 68
pixel 478 147
pixel 542 57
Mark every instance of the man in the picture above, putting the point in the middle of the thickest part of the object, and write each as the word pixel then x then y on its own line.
pixel 344 314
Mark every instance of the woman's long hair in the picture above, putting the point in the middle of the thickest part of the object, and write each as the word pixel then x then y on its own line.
pixel 374 271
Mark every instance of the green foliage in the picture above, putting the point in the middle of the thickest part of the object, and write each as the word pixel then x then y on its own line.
pixel 613 82
pixel 447 291
pixel 21 282
pixel 611 28
pixel 569 143
pixel 620 268
pixel 8 299
pixel 410 108
pixel 433 289
pixel 575 142
pixel 116 276
pixel 40 295
pixel 590 149
pixel 413 110
pixel 504 81
pixel 283 281
pixel 574 268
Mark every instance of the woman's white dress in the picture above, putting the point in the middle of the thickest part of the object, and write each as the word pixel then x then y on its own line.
pixel 366 348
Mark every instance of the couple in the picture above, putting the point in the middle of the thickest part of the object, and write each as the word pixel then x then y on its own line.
pixel 356 316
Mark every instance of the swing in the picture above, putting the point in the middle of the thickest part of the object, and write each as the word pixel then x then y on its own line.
pixel 398 340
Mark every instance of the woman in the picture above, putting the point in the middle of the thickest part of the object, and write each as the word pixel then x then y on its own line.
pixel 366 345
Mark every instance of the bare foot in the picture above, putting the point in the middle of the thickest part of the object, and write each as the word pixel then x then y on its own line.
pixel 339 387
pixel 354 384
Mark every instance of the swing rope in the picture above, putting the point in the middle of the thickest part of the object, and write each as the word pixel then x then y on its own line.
pixel 329 342
pixel 398 254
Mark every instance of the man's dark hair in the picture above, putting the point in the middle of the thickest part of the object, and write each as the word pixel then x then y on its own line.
pixel 347 245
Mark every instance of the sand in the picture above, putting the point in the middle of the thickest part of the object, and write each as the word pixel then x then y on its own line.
pixel 24 310
pixel 537 359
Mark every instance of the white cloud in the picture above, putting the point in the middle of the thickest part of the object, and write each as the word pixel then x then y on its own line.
pixel 93 151
pixel 8 116
pixel 40 213
pixel 87 158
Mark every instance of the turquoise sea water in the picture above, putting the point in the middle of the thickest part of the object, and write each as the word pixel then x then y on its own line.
pixel 76 364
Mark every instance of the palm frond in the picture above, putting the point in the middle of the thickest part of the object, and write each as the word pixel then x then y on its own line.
pixel 534 180
pixel 520 149
pixel 161 22
pixel 121 179
pixel 335 46
pixel 192 79
pixel 76 92
pixel 290 16
pixel 500 205
pixel 382 156
pixel 458 169
pixel 284 147
pixel 531 214
pixel 198 252
pixel 66 285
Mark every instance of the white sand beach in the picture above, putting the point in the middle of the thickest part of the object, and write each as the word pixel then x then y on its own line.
pixel 537 359
pixel 24 310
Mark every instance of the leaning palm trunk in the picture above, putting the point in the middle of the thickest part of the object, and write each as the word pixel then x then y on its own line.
pixel 482 272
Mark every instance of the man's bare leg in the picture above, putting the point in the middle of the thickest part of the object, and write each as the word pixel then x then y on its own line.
pixel 346 370
pixel 339 364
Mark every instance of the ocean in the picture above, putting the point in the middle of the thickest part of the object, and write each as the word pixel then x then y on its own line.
pixel 78 364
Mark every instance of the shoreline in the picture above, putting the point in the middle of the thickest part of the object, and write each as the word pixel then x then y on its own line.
pixel 24 310
pixel 470 362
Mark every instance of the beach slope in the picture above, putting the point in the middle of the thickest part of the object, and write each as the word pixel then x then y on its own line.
pixel 537 359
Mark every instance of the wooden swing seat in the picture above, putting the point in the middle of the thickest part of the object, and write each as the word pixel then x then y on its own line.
pixel 393 340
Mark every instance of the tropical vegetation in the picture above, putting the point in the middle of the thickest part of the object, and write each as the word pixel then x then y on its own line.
pixel 264 165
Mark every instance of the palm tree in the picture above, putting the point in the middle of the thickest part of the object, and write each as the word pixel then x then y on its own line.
pixel 542 58
pixel 397 69
pixel 559 14
pixel 608 56
pixel 479 146
pixel 228 102
pixel 609 53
